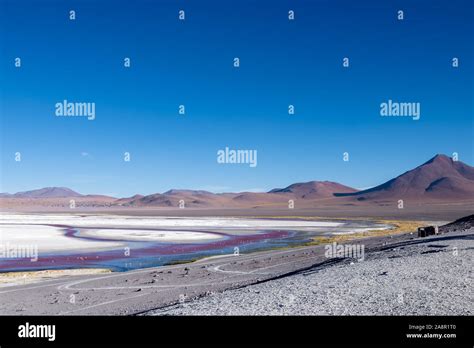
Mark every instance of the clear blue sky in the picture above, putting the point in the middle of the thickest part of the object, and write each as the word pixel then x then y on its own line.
pixel 282 63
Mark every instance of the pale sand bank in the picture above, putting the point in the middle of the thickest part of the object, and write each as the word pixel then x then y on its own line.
pixel 47 239
pixel 19 278
pixel 98 221
pixel 151 235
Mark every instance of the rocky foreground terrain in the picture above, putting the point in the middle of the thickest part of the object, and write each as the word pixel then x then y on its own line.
pixel 423 276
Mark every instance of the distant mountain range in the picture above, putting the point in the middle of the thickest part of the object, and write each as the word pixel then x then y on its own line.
pixel 315 189
pixel 46 192
pixel 439 180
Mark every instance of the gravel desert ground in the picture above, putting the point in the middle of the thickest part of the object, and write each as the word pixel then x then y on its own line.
pixel 432 276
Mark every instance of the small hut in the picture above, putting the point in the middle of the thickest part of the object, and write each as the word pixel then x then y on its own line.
pixel 427 231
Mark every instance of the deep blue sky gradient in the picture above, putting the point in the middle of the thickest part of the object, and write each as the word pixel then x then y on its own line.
pixel 190 63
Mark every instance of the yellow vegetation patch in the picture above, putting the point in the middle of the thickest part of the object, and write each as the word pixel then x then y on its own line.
pixel 399 227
